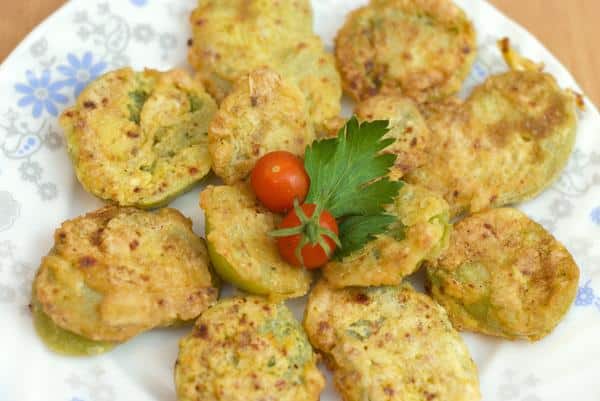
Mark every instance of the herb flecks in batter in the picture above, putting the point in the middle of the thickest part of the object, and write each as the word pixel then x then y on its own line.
pixel 138 98
pixel 195 103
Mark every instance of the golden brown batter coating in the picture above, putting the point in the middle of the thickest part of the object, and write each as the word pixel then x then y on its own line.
pixel 504 275
pixel 423 49
pixel 232 38
pixel 407 127
pixel 245 349
pixel 117 272
pixel 505 144
pixel 389 343
pixel 262 114
pixel 421 234
pixel 241 250
pixel 140 138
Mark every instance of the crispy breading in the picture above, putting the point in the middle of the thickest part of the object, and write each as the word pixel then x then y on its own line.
pixel 389 343
pixel 235 37
pixel 505 144
pixel 423 49
pixel 63 341
pixel 232 38
pixel 411 135
pixel 420 234
pixel 140 138
pixel 117 272
pixel 240 248
pixel 245 349
pixel 504 275
pixel 262 114
pixel 313 70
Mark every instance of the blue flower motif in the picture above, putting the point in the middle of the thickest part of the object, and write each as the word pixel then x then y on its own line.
pixel 595 215
pixel 480 70
pixel 139 3
pixel 585 295
pixel 41 94
pixel 80 72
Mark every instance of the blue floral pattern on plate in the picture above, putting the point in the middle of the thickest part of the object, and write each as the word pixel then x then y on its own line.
pixel 587 297
pixel 80 72
pixel 595 215
pixel 35 165
pixel 41 94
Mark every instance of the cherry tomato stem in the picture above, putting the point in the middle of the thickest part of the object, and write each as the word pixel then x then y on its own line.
pixel 307 237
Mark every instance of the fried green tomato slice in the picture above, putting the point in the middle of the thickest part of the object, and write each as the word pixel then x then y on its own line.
pixel 408 128
pixel 246 349
pixel 240 248
pixel 313 70
pixel 62 341
pixel 420 234
pixel 235 37
pixel 262 114
pixel 504 275
pixel 140 138
pixel 423 49
pixel 505 144
pixel 117 272
pixel 389 343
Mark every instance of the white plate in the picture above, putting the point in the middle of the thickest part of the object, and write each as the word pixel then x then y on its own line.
pixel 38 190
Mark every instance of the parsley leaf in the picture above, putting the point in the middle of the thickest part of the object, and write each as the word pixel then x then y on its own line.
pixel 355 231
pixel 396 230
pixel 347 173
pixel 348 177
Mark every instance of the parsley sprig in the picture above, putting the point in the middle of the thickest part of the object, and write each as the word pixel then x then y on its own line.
pixel 348 177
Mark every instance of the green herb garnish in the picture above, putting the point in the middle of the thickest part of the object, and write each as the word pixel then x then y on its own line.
pixel 356 231
pixel 348 177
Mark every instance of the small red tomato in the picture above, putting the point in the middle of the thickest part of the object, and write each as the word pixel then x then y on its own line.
pixel 277 179
pixel 311 232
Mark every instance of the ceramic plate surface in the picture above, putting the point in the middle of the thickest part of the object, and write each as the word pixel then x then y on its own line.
pixel 38 191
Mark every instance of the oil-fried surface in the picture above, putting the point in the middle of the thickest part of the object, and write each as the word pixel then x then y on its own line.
pixel 245 349
pixel 140 138
pixel 262 114
pixel 506 143
pixel 231 38
pixel 504 275
pixel 389 343
pixel 421 234
pixel 241 250
pixel 423 49
pixel 313 70
pixel 411 135
pixel 234 37
pixel 116 272
pixel 62 341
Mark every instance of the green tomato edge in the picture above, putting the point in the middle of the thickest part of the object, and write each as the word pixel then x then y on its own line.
pixel 227 272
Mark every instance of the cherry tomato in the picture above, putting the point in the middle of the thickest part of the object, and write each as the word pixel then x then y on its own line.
pixel 277 179
pixel 313 255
